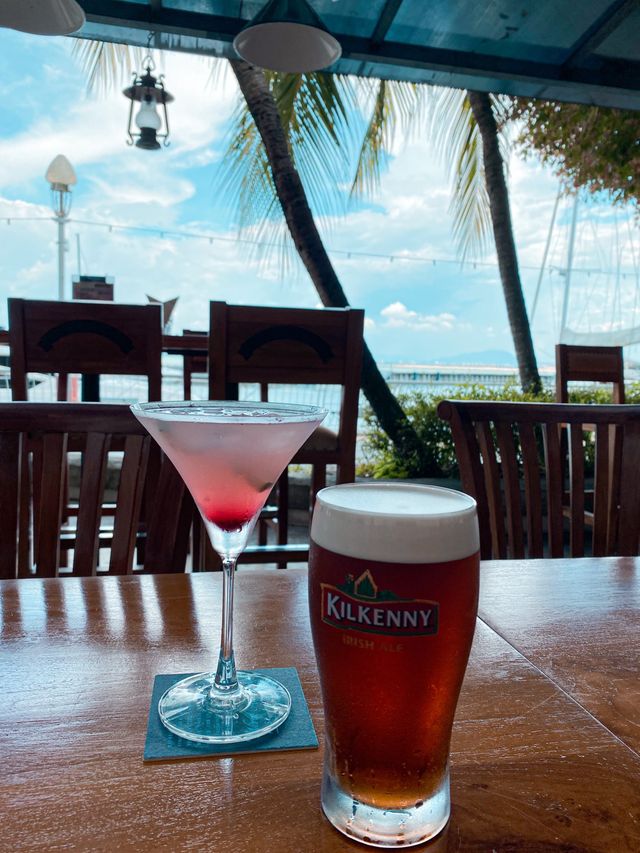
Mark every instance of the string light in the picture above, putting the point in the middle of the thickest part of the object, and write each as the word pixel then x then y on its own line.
pixel 348 254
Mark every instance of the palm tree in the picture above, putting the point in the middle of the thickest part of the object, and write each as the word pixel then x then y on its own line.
pixel 496 185
pixel 304 233
pixel 463 127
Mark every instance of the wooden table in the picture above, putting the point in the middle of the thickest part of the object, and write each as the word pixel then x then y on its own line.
pixel 545 748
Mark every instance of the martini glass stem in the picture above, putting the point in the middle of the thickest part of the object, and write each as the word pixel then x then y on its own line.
pixel 226 680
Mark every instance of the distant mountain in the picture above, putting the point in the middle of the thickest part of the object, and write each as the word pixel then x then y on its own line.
pixel 493 357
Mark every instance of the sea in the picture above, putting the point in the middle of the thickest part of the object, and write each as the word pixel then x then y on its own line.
pixel 402 378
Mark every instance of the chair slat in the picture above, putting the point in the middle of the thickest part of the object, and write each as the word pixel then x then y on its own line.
pixel 85 555
pixel 576 473
pixel 532 490
pixel 471 473
pixel 50 505
pixel 494 492
pixel 511 479
pixel 165 528
pixel 601 489
pixel 554 470
pixel 629 512
pixel 615 492
pixel 130 489
pixel 10 478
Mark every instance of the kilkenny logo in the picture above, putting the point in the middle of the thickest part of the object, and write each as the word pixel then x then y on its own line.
pixel 359 605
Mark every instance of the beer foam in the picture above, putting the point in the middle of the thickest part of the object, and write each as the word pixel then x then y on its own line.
pixel 396 522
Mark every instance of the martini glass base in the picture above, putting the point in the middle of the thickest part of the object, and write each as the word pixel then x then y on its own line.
pixel 190 709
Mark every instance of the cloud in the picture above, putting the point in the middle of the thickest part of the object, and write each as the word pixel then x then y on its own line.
pixel 398 316
pixel 91 130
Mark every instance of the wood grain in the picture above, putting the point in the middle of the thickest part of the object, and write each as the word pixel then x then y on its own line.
pixel 578 621
pixel 532 771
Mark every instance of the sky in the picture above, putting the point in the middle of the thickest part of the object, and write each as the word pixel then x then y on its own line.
pixel 394 252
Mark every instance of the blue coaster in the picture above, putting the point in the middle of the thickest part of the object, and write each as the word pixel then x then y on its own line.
pixel 296 732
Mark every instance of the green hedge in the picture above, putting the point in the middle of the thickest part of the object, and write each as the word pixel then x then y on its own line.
pixel 382 459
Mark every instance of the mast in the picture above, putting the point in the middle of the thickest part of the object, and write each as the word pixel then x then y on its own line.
pixel 567 275
pixel 545 255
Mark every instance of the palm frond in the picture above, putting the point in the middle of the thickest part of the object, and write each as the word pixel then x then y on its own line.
pixel 316 112
pixel 457 139
pixel 106 64
pixel 396 110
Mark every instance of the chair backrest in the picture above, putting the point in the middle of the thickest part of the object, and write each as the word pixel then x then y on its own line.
pixel 91 338
pixel 288 346
pixel 35 470
pixel 512 462
pixel 589 364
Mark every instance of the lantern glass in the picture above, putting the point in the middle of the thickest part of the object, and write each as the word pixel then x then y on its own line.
pixel 148 115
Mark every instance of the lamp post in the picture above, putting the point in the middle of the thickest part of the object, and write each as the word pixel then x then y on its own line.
pixel 61 177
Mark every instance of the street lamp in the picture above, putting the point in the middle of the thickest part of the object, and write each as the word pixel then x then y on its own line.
pixel 61 177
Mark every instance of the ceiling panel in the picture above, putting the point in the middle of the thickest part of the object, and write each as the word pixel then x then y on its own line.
pixel 579 50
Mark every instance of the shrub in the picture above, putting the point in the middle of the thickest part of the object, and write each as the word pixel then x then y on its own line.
pixel 381 458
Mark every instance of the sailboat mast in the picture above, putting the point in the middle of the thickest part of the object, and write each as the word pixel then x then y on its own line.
pixel 545 255
pixel 567 275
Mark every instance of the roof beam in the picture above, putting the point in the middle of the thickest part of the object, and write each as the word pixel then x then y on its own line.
pixel 609 82
pixel 600 30
pixel 615 74
pixel 389 11
pixel 139 16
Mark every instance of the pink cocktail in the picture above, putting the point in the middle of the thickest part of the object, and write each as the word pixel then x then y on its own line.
pixel 229 455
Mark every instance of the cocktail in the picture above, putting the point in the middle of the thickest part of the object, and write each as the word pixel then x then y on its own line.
pixel 229 455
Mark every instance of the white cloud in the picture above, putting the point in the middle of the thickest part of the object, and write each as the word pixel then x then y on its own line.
pixel 398 316
pixel 91 130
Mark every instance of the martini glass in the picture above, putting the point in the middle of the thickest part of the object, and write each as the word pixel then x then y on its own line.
pixel 229 455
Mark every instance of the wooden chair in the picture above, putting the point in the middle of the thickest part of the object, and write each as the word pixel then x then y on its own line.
pixel 292 346
pixel 91 338
pixel 35 438
pixel 589 364
pixel 511 461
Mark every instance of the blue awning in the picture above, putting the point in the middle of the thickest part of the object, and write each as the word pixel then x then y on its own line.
pixel 585 51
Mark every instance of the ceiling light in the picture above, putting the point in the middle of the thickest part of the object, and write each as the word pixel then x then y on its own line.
pixel 288 36
pixel 42 17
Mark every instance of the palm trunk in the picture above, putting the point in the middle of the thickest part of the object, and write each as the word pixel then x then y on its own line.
pixel 505 246
pixel 310 247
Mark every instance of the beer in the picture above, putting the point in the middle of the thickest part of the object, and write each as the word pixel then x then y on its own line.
pixel 393 594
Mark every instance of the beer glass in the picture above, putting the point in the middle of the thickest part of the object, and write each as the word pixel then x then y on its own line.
pixel 393 596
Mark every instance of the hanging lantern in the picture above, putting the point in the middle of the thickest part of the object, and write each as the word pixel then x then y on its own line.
pixel 149 92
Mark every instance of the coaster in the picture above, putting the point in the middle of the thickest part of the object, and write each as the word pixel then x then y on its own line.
pixel 296 732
